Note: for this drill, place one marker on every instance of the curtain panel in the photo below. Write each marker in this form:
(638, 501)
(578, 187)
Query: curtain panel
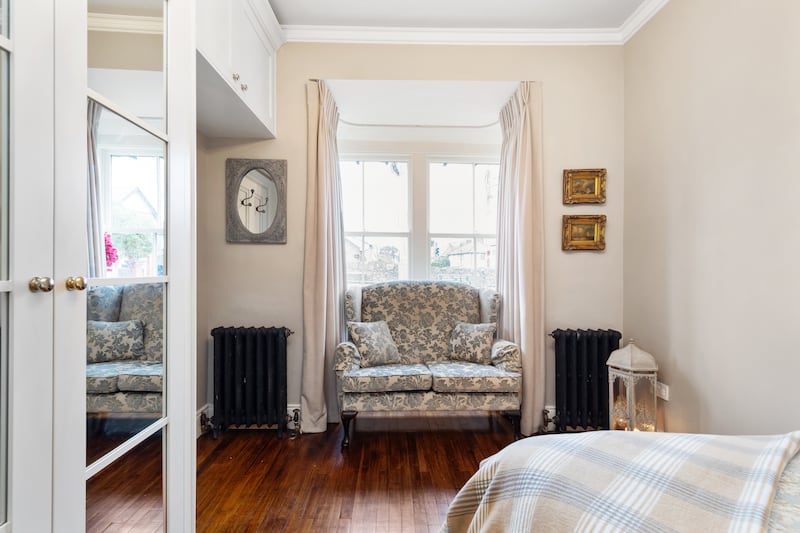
(94, 224)
(324, 268)
(520, 244)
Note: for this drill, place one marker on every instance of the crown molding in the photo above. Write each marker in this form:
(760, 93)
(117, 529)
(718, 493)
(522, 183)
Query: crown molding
(270, 27)
(640, 17)
(456, 36)
(475, 36)
(125, 23)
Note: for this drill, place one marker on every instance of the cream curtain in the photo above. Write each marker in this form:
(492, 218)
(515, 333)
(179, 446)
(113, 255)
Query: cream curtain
(324, 269)
(520, 244)
(94, 225)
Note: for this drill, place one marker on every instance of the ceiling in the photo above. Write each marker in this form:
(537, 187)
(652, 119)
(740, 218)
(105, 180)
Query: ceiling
(520, 14)
(465, 21)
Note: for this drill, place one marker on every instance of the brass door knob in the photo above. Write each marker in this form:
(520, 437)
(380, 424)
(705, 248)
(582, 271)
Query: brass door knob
(78, 283)
(41, 284)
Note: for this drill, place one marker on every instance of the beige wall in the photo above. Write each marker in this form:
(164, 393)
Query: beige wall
(131, 51)
(583, 128)
(712, 152)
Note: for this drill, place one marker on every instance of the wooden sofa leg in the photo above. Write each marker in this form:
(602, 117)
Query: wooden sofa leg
(347, 416)
(514, 416)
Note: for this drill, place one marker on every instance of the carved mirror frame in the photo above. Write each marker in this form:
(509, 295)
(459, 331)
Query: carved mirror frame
(235, 171)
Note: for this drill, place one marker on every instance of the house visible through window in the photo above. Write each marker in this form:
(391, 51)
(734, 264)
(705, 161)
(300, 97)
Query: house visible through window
(448, 233)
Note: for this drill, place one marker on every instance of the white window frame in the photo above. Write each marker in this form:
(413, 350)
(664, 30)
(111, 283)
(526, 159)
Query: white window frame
(419, 235)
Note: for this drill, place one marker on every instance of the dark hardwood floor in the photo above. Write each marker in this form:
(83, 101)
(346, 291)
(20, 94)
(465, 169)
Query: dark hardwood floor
(399, 474)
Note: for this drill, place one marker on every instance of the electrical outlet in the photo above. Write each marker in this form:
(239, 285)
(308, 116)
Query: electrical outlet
(662, 391)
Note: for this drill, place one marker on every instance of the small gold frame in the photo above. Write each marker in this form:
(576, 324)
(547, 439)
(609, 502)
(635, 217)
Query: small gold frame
(585, 186)
(583, 232)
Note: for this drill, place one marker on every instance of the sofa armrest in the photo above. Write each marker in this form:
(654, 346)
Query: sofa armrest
(506, 356)
(346, 357)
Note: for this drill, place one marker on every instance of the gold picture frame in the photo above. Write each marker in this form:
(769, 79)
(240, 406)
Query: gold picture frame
(585, 186)
(583, 232)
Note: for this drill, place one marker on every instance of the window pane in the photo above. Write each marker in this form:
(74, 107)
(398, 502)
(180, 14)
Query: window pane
(465, 260)
(375, 259)
(450, 198)
(486, 181)
(385, 196)
(352, 195)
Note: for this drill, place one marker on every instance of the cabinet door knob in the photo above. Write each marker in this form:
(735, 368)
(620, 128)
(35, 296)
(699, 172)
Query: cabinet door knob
(235, 76)
(41, 284)
(78, 283)
(244, 86)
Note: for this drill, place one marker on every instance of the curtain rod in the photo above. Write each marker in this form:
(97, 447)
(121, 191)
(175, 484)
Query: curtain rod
(433, 126)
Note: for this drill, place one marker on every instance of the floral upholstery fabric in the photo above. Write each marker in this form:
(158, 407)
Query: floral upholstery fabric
(346, 357)
(114, 341)
(460, 376)
(420, 314)
(505, 355)
(124, 402)
(103, 303)
(421, 317)
(374, 342)
(115, 376)
(387, 378)
(130, 385)
(472, 342)
(145, 302)
(429, 401)
(143, 378)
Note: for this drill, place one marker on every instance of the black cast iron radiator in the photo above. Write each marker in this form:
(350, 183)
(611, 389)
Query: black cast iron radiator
(582, 377)
(249, 377)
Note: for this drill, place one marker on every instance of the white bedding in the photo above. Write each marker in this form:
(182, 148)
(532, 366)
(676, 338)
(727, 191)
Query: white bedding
(621, 481)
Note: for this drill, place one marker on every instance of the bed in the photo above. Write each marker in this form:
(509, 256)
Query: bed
(628, 481)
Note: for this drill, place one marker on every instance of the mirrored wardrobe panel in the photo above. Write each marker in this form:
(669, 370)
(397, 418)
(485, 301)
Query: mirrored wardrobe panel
(126, 56)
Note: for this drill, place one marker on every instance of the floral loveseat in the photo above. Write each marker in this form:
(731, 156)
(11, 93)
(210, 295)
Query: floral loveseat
(124, 349)
(425, 346)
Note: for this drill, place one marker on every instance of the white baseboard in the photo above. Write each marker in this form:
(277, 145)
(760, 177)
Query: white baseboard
(208, 410)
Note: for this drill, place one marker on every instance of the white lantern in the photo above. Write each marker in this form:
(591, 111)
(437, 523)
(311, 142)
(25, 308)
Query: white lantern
(632, 378)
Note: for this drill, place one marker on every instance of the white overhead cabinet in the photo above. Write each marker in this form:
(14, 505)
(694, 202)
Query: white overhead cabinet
(236, 45)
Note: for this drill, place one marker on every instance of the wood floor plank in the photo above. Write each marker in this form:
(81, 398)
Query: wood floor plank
(399, 475)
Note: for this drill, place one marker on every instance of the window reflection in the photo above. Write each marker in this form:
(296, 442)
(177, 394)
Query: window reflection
(128, 198)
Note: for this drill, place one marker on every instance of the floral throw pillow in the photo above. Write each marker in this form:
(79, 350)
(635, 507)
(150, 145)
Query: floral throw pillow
(472, 342)
(114, 341)
(374, 342)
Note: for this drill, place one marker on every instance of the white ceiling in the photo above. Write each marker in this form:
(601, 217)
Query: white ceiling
(520, 14)
(522, 22)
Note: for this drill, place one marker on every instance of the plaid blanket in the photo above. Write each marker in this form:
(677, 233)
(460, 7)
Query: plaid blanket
(623, 481)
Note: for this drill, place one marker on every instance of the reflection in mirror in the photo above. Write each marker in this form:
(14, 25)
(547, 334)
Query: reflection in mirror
(127, 205)
(128, 495)
(4, 168)
(257, 206)
(126, 56)
(3, 406)
(124, 363)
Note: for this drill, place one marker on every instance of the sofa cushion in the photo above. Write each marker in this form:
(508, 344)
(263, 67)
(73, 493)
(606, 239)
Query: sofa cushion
(114, 341)
(387, 378)
(103, 303)
(421, 314)
(144, 377)
(374, 342)
(124, 376)
(145, 302)
(125, 402)
(472, 342)
(461, 376)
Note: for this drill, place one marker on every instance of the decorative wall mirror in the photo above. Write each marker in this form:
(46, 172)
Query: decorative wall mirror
(255, 200)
